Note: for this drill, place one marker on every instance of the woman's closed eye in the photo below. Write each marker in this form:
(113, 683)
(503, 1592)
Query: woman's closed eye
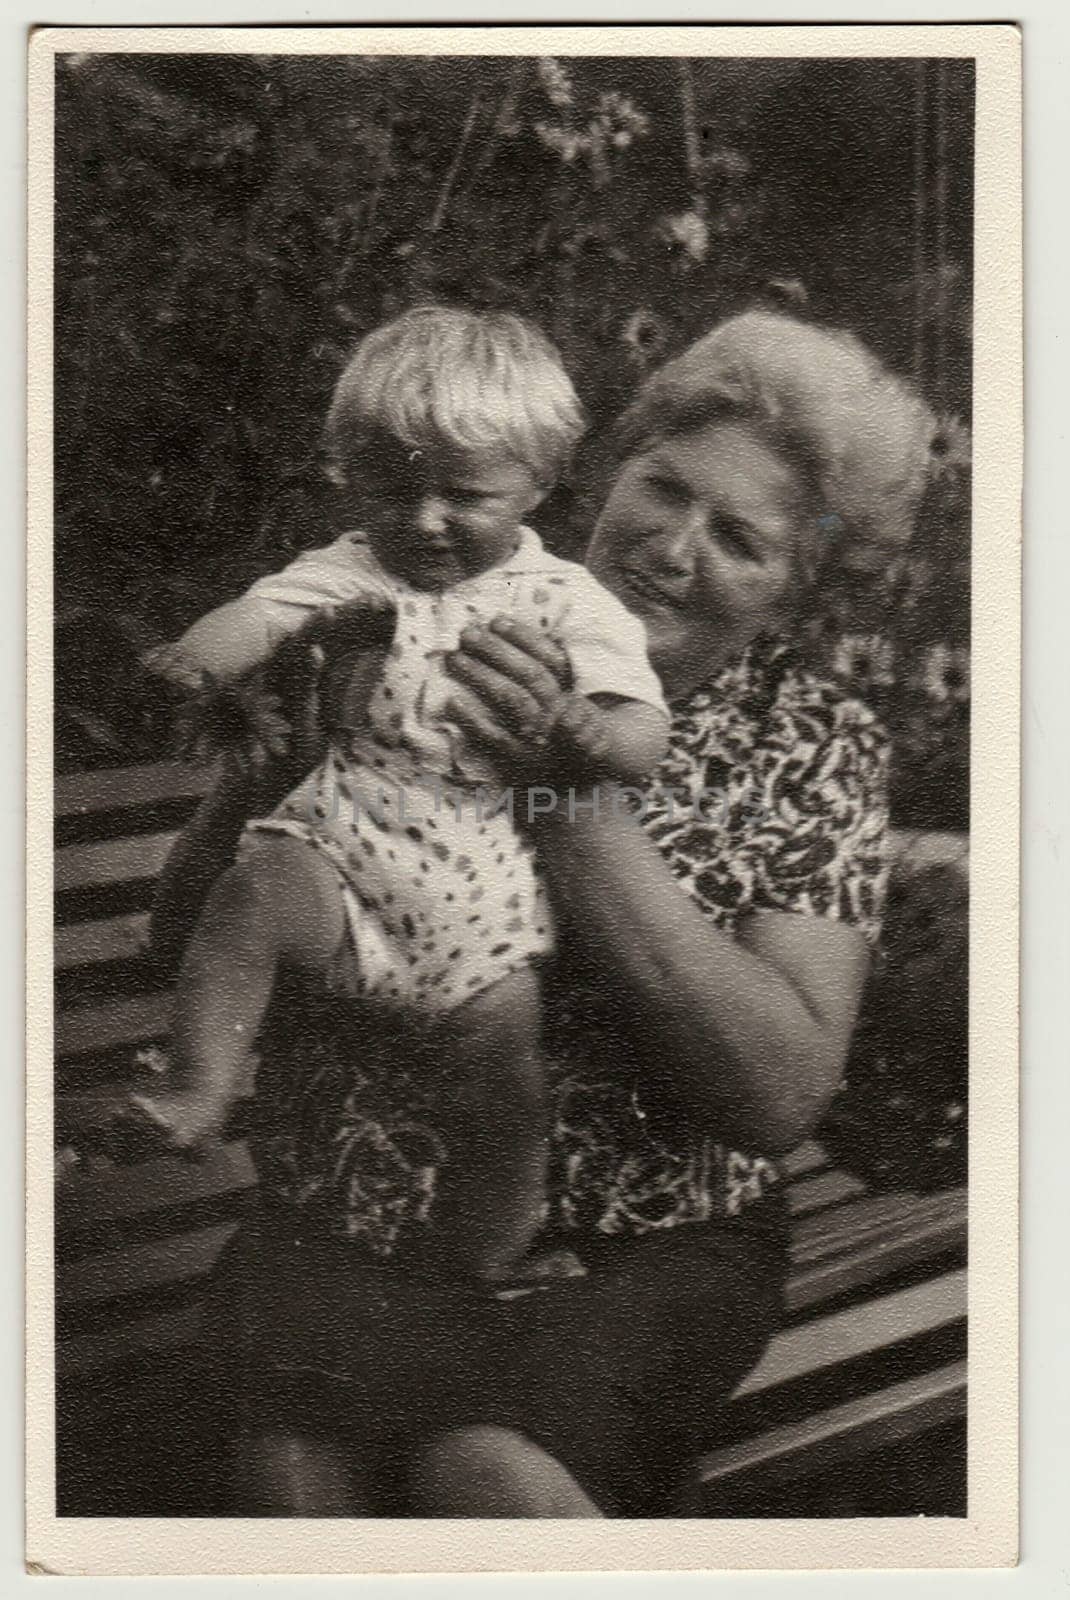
(738, 537)
(667, 488)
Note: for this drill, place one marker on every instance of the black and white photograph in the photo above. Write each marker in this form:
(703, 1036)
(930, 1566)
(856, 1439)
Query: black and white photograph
(511, 566)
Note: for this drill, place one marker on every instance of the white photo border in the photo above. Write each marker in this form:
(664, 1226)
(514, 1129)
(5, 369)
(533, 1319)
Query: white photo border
(987, 1536)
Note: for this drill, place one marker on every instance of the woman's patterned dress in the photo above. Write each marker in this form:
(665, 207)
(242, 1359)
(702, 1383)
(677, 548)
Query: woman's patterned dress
(771, 798)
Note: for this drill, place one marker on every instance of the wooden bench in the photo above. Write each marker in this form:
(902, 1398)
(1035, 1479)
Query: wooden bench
(872, 1355)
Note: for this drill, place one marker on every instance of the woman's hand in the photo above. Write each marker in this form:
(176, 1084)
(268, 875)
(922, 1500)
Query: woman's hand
(513, 686)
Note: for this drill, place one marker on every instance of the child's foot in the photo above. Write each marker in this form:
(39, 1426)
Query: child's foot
(552, 1264)
(183, 1121)
(539, 1266)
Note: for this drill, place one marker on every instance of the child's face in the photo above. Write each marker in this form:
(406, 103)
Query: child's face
(439, 515)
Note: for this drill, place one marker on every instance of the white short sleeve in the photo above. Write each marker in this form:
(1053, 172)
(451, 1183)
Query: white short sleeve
(606, 645)
(338, 574)
(242, 634)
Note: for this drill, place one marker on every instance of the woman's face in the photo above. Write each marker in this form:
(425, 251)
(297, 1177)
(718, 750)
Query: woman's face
(698, 538)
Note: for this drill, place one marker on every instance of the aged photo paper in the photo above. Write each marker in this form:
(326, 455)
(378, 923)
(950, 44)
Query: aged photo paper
(522, 801)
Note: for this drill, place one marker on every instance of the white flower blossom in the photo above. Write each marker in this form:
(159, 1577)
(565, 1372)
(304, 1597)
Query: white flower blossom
(613, 125)
(688, 230)
(562, 141)
(866, 659)
(728, 163)
(622, 118)
(555, 81)
(951, 447)
(645, 334)
(946, 674)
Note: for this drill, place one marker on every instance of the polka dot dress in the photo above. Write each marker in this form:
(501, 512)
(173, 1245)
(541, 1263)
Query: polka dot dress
(442, 893)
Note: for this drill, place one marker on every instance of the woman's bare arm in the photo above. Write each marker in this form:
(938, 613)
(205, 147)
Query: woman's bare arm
(624, 740)
(753, 1027)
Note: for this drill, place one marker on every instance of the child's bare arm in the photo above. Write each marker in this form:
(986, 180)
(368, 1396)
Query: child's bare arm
(323, 586)
(611, 738)
(225, 645)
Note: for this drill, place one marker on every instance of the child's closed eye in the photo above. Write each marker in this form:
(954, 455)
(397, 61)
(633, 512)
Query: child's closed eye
(467, 497)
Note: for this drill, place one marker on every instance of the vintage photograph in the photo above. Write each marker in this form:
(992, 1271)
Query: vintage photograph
(511, 524)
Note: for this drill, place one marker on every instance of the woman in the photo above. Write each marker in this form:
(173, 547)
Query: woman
(717, 935)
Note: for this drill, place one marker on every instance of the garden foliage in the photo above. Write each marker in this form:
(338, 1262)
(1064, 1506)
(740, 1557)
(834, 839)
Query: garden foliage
(228, 227)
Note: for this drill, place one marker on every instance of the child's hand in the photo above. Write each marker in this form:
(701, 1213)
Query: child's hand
(321, 671)
(241, 721)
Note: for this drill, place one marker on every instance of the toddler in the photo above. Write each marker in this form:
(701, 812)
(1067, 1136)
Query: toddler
(389, 869)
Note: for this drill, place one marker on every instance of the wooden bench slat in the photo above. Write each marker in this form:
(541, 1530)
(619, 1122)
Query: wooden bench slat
(827, 1189)
(82, 1355)
(169, 1181)
(81, 944)
(873, 1262)
(820, 1238)
(120, 1022)
(809, 1157)
(858, 1330)
(86, 866)
(871, 1422)
(115, 788)
(923, 848)
(141, 1266)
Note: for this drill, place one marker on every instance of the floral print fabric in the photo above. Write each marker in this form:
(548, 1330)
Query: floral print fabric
(771, 798)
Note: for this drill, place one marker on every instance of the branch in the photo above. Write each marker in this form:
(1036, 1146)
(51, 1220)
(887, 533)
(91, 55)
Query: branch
(455, 166)
(382, 170)
(692, 143)
(503, 120)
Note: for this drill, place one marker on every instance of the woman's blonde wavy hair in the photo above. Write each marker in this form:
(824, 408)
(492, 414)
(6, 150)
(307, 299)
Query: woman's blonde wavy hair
(860, 437)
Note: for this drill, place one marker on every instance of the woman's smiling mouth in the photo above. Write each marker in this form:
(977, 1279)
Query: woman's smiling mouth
(642, 584)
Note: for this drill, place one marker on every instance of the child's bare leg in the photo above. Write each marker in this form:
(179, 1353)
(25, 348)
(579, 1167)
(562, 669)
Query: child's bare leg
(281, 903)
(203, 850)
(489, 1204)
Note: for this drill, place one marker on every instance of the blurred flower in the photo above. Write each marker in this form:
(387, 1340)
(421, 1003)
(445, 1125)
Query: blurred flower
(950, 450)
(615, 122)
(946, 674)
(727, 163)
(621, 118)
(68, 1160)
(688, 232)
(731, 218)
(241, 720)
(865, 659)
(152, 1059)
(555, 81)
(791, 290)
(645, 334)
(562, 141)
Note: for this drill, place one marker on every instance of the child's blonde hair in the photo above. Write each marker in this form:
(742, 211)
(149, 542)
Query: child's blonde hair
(472, 379)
